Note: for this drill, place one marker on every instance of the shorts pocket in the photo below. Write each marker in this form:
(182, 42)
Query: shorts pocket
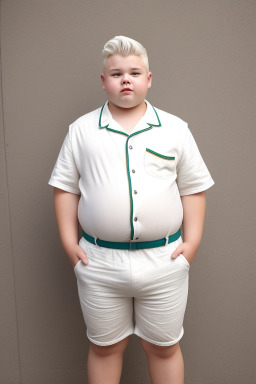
(77, 265)
(184, 260)
(159, 165)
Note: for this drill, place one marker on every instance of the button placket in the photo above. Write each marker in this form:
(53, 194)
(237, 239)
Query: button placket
(133, 175)
(133, 163)
(137, 227)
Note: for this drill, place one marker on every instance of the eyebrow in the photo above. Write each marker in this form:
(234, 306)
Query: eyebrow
(117, 69)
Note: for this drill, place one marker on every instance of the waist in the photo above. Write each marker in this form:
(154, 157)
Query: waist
(133, 245)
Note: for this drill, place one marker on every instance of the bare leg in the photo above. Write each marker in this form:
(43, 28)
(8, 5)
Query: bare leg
(105, 363)
(165, 364)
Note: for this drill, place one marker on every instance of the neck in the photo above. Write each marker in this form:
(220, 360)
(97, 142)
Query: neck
(132, 113)
(127, 117)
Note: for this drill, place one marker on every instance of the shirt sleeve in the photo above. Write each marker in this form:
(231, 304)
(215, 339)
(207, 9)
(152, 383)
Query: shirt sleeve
(192, 173)
(65, 174)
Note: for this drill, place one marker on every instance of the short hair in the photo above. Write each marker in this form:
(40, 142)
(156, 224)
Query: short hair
(124, 46)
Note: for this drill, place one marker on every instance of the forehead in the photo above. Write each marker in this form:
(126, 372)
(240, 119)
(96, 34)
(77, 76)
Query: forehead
(124, 62)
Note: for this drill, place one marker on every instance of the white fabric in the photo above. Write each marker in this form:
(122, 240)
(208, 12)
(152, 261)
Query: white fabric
(124, 292)
(94, 162)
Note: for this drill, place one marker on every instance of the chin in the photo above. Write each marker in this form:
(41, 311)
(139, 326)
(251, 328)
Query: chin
(125, 105)
(131, 104)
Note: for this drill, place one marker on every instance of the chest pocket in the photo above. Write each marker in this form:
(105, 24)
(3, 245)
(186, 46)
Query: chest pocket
(159, 165)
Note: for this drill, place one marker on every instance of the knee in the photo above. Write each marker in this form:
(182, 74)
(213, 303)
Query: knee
(163, 352)
(117, 348)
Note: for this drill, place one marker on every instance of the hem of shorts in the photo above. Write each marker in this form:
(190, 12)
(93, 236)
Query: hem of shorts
(162, 344)
(110, 342)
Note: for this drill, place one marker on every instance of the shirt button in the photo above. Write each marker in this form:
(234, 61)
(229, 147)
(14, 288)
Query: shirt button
(135, 218)
(135, 192)
(130, 146)
(133, 171)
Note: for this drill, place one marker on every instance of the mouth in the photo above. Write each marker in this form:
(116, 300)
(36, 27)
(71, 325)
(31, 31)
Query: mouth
(126, 90)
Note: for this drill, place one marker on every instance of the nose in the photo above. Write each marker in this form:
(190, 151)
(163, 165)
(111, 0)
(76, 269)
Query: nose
(126, 79)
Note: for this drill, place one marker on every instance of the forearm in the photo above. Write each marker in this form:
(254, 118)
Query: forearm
(194, 207)
(193, 222)
(66, 205)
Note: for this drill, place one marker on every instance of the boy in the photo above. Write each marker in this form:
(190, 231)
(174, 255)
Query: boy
(131, 174)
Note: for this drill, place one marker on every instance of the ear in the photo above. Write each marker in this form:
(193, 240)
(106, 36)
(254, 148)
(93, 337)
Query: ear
(149, 79)
(103, 81)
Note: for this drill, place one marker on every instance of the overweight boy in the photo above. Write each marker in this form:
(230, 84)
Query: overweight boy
(131, 175)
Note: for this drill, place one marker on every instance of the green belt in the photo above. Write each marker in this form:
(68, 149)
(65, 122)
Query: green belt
(132, 245)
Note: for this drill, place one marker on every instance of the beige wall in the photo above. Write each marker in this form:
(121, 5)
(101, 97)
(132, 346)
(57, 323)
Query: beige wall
(202, 57)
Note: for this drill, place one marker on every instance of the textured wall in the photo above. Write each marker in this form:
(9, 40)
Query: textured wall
(202, 57)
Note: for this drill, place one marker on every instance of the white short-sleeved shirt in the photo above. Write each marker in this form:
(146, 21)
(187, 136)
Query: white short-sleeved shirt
(130, 184)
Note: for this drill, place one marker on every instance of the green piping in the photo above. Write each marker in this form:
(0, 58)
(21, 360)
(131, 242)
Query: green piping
(130, 188)
(159, 155)
(149, 124)
(129, 178)
(159, 122)
(107, 126)
(101, 111)
(113, 130)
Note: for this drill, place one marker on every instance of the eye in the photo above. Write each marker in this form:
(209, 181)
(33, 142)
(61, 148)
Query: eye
(116, 74)
(135, 73)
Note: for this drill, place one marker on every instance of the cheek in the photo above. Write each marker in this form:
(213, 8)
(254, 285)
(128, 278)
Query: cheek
(110, 87)
(143, 87)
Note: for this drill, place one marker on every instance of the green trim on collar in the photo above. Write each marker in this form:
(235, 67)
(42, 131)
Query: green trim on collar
(114, 130)
(149, 124)
(159, 122)
(106, 126)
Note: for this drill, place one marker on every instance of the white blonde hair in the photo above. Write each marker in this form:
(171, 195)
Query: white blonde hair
(124, 46)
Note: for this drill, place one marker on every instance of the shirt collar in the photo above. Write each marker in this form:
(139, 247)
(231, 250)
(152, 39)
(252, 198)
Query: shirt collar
(149, 119)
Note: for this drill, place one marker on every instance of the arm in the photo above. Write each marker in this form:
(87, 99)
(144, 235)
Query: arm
(193, 222)
(66, 205)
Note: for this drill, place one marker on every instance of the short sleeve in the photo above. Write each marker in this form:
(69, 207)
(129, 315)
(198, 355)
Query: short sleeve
(192, 173)
(65, 175)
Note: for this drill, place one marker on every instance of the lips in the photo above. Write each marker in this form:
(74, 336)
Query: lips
(126, 89)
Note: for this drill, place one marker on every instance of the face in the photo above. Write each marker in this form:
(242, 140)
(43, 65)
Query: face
(126, 80)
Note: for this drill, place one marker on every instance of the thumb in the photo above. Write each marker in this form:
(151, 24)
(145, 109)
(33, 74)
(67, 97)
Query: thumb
(177, 251)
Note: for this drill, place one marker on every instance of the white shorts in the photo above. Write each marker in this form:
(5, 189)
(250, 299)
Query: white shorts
(123, 292)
